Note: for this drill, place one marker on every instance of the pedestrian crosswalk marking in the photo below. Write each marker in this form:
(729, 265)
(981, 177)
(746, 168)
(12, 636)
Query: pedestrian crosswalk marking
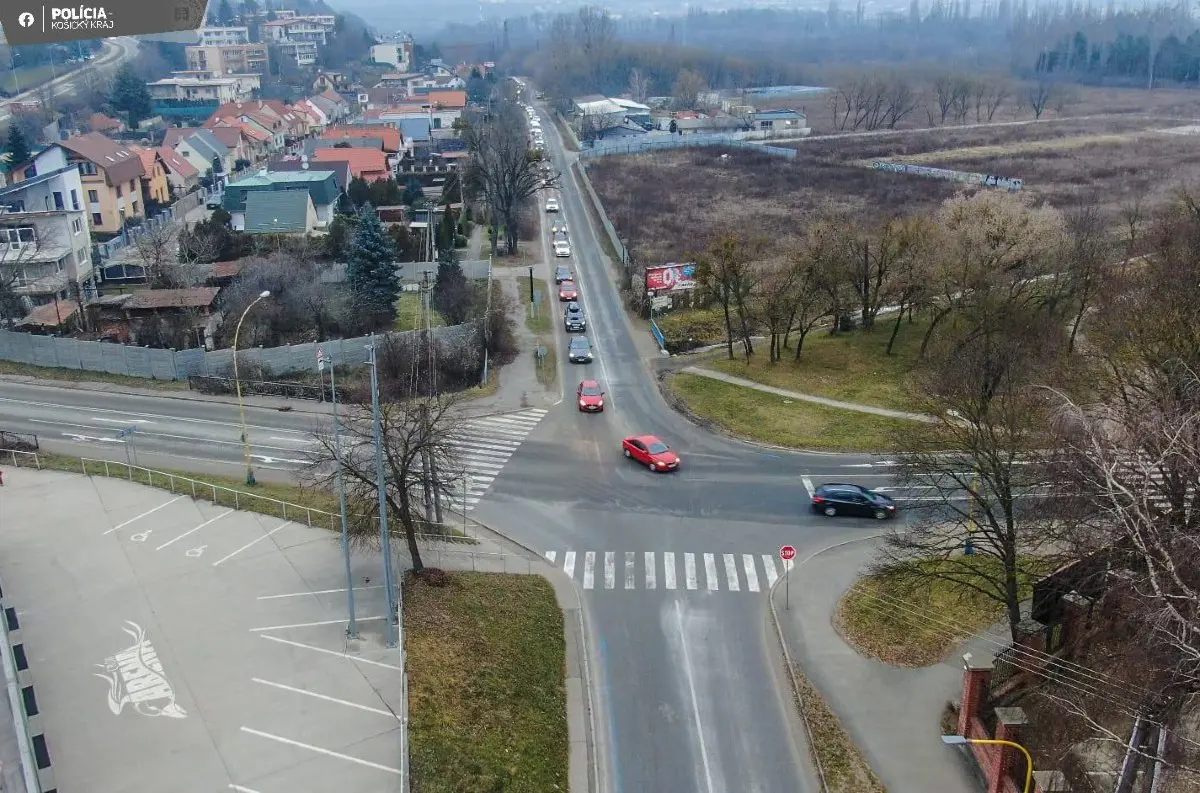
(740, 571)
(482, 447)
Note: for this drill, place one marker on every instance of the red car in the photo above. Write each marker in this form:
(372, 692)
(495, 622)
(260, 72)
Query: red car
(651, 452)
(591, 397)
(567, 291)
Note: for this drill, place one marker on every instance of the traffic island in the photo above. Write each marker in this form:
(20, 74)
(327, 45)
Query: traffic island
(486, 656)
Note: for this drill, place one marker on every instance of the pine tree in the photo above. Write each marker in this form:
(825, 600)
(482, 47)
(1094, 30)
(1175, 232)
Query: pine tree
(413, 191)
(131, 96)
(452, 295)
(445, 235)
(371, 271)
(17, 147)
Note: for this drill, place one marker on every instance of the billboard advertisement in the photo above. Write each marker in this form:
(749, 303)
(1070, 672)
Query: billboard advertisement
(671, 277)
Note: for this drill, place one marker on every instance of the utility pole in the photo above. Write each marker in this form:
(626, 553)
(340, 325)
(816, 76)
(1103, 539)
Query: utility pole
(322, 361)
(487, 321)
(433, 498)
(394, 627)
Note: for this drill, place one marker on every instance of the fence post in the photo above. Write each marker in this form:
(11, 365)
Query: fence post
(125, 359)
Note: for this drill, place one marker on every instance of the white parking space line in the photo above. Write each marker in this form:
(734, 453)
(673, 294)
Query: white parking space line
(808, 485)
(240, 789)
(610, 570)
(569, 564)
(731, 573)
(710, 572)
(689, 570)
(144, 514)
(193, 531)
(769, 567)
(251, 544)
(320, 750)
(751, 572)
(589, 569)
(315, 592)
(310, 624)
(651, 583)
(669, 569)
(353, 658)
(550, 556)
(630, 569)
(326, 698)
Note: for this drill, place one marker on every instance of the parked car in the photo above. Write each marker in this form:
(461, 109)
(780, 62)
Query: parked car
(551, 204)
(562, 248)
(836, 498)
(573, 319)
(562, 273)
(591, 397)
(651, 452)
(567, 291)
(580, 350)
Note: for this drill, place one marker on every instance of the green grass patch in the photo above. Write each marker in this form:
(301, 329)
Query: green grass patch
(883, 616)
(487, 700)
(84, 376)
(408, 313)
(771, 419)
(687, 328)
(843, 764)
(28, 77)
(546, 368)
(542, 319)
(852, 367)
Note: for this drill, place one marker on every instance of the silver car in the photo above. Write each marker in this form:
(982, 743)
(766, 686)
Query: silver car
(580, 350)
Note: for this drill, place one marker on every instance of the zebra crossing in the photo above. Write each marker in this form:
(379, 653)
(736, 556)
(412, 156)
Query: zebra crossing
(697, 572)
(482, 447)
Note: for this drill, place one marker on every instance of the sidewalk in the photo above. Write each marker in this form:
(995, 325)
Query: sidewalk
(892, 714)
(833, 403)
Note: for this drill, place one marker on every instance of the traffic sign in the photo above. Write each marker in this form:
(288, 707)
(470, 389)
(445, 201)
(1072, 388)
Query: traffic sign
(787, 553)
(322, 359)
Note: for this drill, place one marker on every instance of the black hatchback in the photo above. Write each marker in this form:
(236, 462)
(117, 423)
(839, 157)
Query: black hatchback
(839, 499)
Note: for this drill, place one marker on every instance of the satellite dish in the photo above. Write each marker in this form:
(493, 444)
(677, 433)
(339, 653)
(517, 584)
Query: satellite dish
(303, 158)
(304, 166)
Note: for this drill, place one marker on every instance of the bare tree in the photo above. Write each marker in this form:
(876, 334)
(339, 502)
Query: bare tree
(944, 91)
(910, 271)
(811, 302)
(417, 438)
(688, 86)
(1039, 95)
(776, 296)
(1087, 260)
(726, 270)
(900, 100)
(999, 92)
(639, 85)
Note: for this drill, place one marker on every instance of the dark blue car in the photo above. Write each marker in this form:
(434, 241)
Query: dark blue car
(841, 499)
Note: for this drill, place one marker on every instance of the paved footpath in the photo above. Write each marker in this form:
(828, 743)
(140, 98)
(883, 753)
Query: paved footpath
(892, 714)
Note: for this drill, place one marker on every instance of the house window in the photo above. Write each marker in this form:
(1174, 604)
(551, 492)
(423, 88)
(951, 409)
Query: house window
(61, 264)
(135, 207)
(132, 187)
(119, 191)
(97, 220)
(31, 172)
(76, 226)
(75, 199)
(93, 197)
(87, 168)
(58, 200)
(20, 236)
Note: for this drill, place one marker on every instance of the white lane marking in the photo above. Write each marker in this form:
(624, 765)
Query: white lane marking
(651, 583)
(691, 681)
(569, 564)
(251, 544)
(193, 531)
(240, 789)
(669, 569)
(144, 514)
(310, 624)
(589, 569)
(302, 441)
(629, 569)
(751, 572)
(731, 573)
(319, 750)
(268, 459)
(689, 570)
(710, 572)
(78, 437)
(123, 421)
(610, 570)
(153, 434)
(326, 698)
(550, 556)
(353, 658)
(315, 592)
(808, 485)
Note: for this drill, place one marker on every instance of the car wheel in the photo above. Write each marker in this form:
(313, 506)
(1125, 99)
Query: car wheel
(830, 511)
(881, 514)
(627, 454)
(652, 468)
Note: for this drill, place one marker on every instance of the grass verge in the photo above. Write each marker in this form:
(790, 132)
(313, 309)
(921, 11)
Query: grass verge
(869, 618)
(487, 701)
(845, 768)
(27, 77)
(852, 367)
(568, 136)
(84, 376)
(547, 367)
(543, 320)
(408, 313)
(771, 419)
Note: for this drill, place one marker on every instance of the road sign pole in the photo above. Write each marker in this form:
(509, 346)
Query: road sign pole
(787, 591)
(787, 553)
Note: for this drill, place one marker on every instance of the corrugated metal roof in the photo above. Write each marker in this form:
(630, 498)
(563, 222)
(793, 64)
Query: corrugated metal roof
(277, 212)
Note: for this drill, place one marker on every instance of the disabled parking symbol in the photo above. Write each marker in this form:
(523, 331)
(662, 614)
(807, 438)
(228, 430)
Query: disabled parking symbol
(141, 536)
(196, 553)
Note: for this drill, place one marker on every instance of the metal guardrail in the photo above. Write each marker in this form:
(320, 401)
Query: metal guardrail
(19, 441)
(663, 142)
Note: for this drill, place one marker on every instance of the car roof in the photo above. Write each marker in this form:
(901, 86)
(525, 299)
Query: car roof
(646, 439)
(590, 384)
(843, 486)
(566, 284)
(579, 338)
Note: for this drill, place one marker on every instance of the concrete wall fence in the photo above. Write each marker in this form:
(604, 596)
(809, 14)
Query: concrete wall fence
(617, 146)
(154, 364)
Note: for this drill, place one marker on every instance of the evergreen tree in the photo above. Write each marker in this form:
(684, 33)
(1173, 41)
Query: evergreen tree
(413, 191)
(371, 270)
(131, 96)
(445, 234)
(17, 147)
(451, 291)
(359, 191)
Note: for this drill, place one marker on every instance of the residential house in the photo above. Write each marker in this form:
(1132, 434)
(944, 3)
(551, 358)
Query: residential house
(135, 318)
(318, 116)
(778, 120)
(111, 174)
(596, 113)
(708, 126)
(306, 28)
(98, 122)
(339, 106)
(45, 248)
(441, 82)
(311, 145)
(181, 174)
(155, 186)
(339, 168)
(319, 185)
(302, 53)
(383, 95)
(244, 141)
(213, 89)
(295, 125)
(202, 149)
(229, 58)
(258, 115)
(223, 36)
(370, 164)
(416, 135)
(387, 135)
(330, 81)
(636, 112)
(398, 54)
(287, 212)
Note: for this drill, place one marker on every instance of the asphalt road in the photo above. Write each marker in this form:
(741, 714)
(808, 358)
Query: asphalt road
(688, 674)
(117, 50)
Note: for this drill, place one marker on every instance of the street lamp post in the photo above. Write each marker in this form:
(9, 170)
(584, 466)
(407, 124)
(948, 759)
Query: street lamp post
(959, 740)
(322, 361)
(238, 383)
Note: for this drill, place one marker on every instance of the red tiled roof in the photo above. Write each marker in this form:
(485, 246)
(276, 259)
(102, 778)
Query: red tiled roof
(51, 315)
(147, 157)
(102, 123)
(333, 96)
(363, 162)
(117, 161)
(227, 269)
(176, 162)
(389, 135)
(451, 99)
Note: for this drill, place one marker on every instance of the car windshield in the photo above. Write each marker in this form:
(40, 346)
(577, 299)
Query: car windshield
(591, 390)
(580, 342)
(658, 448)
